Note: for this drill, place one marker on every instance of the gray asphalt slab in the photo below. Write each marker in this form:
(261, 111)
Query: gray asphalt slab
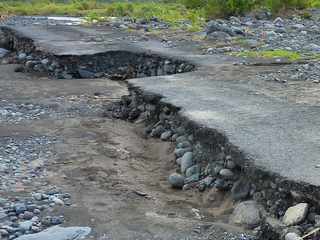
(275, 125)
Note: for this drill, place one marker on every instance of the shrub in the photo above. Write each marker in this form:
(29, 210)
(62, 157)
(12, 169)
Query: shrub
(224, 8)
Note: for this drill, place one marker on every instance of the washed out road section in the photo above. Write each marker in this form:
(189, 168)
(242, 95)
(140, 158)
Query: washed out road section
(272, 128)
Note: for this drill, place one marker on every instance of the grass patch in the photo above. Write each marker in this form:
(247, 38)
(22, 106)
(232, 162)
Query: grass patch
(290, 55)
(172, 13)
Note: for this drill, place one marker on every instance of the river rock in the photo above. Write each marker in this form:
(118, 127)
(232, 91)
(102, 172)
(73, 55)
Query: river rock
(176, 180)
(247, 214)
(179, 152)
(3, 52)
(59, 233)
(292, 236)
(240, 190)
(181, 139)
(295, 214)
(192, 170)
(219, 36)
(166, 135)
(20, 208)
(214, 26)
(193, 178)
(86, 74)
(186, 161)
(226, 173)
(26, 225)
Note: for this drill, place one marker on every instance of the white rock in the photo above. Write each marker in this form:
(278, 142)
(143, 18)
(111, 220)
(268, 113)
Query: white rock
(292, 236)
(58, 233)
(57, 201)
(295, 214)
(247, 214)
(186, 161)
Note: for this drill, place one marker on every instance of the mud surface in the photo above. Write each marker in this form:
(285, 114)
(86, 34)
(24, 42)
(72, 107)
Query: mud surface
(117, 179)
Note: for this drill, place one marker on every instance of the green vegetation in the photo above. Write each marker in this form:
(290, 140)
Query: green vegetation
(172, 11)
(223, 8)
(290, 55)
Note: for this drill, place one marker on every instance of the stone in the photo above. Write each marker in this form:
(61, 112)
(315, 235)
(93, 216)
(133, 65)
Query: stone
(3, 52)
(292, 236)
(86, 74)
(220, 184)
(22, 56)
(166, 135)
(218, 36)
(184, 144)
(3, 233)
(192, 170)
(247, 214)
(298, 26)
(3, 215)
(20, 208)
(278, 22)
(179, 152)
(313, 47)
(59, 233)
(295, 214)
(174, 137)
(193, 178)
(230, 164)
(226, 173)
(186, 161)
(56, 200)
(181, 139)
(27, 215)
(240, 190)
(26, 225)
(317, 220)
(207, 181)
(37, 196)
(214, 26)
(176, 180)
(178, 161)
(57, 220)
(157, 131)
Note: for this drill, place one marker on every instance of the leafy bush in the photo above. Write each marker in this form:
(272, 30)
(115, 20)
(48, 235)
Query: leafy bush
(279, 5)
(224, 8)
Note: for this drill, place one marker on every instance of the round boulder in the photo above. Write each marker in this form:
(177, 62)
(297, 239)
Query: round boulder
(176, 180)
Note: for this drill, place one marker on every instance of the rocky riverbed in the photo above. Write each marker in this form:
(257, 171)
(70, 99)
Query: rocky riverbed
(110, 173)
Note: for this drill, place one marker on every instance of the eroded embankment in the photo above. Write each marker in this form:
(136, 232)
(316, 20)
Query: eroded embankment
(205, 157)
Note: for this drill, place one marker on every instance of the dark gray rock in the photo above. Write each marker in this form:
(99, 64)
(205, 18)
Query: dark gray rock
(156, 132)
(240, 190)
(176, 180)
(20, 208)
(85, 73)
(214, 26)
